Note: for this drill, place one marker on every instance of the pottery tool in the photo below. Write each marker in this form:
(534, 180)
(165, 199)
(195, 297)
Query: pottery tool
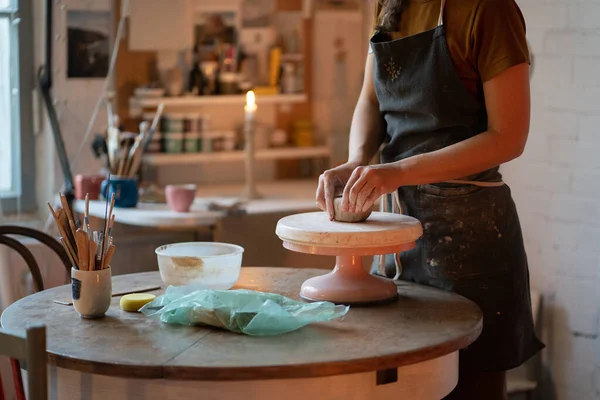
(70, 218)
(349, 283)
(67, 244)
(69, 253)
(109, 254)
(87, 250)
(141, 289)
(92, 255)
(86, 215)
(82, 249)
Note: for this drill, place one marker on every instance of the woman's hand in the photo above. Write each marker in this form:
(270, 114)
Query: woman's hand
(367, 184)
(331, 184)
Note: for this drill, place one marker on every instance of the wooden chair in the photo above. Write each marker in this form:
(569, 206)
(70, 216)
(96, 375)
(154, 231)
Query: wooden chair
(524, 380)
(6, 233)
(31, 349)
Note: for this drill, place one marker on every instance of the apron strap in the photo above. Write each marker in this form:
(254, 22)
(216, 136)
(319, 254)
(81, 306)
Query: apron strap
(441, 19)
(477, 183)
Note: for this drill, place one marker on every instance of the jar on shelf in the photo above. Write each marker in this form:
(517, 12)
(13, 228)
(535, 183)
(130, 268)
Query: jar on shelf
(289, 79)
(303, 133)
(279, 138)
(155, 144)
(173, 123)
(192, 142)
(229, 83)
(174, 143)
(205, 123)
(191, 122)
(229, 141)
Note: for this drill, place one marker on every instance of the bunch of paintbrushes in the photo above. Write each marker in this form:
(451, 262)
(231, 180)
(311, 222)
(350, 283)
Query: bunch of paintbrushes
(125, 156)
(88, 250)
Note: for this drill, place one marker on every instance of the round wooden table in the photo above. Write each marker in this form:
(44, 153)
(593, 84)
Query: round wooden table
(405, 348)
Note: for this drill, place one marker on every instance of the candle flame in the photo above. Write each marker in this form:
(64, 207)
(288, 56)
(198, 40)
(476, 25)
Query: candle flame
(250, 99)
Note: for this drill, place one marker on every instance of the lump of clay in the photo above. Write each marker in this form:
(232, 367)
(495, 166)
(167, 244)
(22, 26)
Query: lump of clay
(343, 216)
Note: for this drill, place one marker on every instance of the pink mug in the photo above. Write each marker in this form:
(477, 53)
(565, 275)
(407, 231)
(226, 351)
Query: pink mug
(180, 197)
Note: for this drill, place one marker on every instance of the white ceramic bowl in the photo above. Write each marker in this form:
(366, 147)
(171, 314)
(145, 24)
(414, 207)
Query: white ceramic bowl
(214, 265)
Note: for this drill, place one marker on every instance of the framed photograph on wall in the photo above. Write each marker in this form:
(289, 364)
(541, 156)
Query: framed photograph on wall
(88, 43)
(257, 13)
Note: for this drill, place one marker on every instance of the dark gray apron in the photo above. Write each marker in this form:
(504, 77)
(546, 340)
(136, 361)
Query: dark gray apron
(472, 242)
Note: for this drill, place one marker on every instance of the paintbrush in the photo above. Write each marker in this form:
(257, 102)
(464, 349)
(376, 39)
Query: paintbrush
(86, 214)
(122, 160)
(112, 144)
(137, 150)
(108, 218)
(110, 229)
(154, 125)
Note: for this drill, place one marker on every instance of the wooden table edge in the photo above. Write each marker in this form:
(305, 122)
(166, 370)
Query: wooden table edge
(295, 371)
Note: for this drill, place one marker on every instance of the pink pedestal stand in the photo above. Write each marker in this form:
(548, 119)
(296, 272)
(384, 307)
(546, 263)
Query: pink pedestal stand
(349, 282)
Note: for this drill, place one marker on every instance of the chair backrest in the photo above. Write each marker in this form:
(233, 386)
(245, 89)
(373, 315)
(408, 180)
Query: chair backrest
(31, 349)
(5, 238)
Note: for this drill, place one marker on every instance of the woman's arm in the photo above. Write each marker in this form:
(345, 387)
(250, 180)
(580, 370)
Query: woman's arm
(365, 132)
(366, 136)
(508, 106)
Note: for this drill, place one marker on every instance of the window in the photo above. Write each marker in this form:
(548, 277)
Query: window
(17, 82)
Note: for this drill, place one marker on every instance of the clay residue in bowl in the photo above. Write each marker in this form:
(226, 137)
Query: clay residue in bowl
(188, 262)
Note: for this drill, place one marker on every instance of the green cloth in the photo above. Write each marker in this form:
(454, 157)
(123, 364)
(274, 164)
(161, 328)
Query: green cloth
(241, 311)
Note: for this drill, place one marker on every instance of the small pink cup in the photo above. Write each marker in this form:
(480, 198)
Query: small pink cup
(180, 197)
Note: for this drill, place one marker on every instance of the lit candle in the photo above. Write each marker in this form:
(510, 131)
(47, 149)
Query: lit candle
(250, 107)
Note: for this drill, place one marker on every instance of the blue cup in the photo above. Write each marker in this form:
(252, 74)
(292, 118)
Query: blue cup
(124, 188)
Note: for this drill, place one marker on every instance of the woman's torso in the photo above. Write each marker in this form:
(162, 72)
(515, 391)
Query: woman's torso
(484, 37)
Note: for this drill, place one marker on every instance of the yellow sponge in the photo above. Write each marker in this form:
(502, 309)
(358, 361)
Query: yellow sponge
(135, 301)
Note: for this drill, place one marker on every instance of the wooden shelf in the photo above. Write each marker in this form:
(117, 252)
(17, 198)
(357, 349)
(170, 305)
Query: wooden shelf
(187, 101)
(227, 156)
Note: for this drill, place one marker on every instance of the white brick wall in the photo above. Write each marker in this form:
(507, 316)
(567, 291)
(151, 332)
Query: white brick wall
(556, 185)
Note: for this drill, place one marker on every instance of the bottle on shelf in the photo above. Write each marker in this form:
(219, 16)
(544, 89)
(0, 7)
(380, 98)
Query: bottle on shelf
(196, 80)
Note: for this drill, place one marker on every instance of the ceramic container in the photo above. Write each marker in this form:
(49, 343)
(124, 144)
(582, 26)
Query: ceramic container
(211, 264)
(91, 291)
(194, 120)
(155, 145)
(125, 189)
(180, 197)
(192, 143)
(173, 123)
(174, 143)
(88, 184)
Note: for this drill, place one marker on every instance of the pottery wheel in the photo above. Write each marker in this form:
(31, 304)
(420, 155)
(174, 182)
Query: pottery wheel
(349, 282)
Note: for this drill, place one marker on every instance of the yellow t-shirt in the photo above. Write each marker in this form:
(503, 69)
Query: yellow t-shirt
(485, 37)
